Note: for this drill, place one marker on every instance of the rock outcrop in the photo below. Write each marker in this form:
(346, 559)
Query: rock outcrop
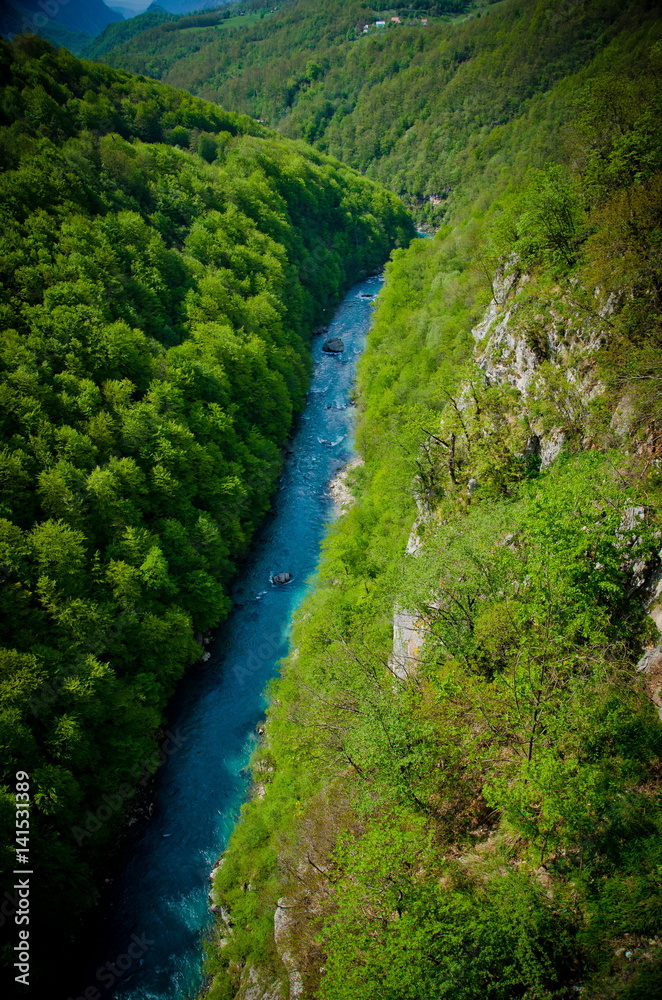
(256, 986)
(334, 345)
(341, 494)
(282, 934)
(519, 334)
(408, 638)
(650, 667)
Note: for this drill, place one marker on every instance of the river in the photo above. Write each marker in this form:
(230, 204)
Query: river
(159, 906)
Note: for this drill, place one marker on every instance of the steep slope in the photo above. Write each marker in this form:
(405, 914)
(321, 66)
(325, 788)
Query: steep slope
(13, 22)
(123, 31)
(163, 263)
(459, 781)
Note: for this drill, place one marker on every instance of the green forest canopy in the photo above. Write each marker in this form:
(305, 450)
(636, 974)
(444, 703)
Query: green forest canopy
(162, 265)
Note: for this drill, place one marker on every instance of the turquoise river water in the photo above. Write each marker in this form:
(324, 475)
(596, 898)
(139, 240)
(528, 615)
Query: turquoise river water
(159, 908)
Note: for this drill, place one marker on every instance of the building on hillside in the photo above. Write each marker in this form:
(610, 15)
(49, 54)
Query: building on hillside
(424, 20)
(396, 20)
(380, 24)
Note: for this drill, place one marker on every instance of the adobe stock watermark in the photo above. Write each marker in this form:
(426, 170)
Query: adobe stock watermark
(109, 974)
(271, 646)
(48, 11)
(96, 644)
(114, 803)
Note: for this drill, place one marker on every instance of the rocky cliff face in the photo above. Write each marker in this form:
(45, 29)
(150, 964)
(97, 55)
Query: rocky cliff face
(524, 326)
(542, 343)
(544, 346)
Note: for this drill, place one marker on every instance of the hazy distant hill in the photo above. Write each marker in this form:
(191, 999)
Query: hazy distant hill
(186, 6)
(72, 24)
(88, 16)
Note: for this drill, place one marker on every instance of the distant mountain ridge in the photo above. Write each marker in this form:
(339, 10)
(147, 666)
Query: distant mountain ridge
(71, 24)
(88, 16)
(75, 23)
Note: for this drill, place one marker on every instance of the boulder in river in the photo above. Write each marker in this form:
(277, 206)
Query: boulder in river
(319, 330)
(281, 578)
(333, 345)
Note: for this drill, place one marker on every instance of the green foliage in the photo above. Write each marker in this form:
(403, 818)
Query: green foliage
(440, 940)
(121, 32)
(156, 305)
(542, 226)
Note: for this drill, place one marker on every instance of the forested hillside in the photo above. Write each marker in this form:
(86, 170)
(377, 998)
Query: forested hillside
(458, 792)
(122, 31)
(162, 264)
(420, 107)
